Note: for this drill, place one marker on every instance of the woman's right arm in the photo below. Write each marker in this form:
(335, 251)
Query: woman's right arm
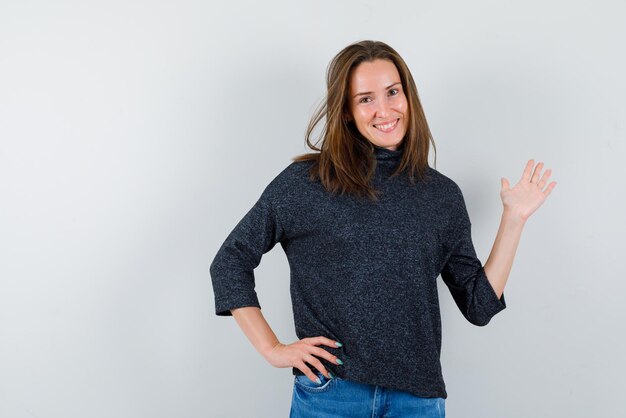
(232, 273)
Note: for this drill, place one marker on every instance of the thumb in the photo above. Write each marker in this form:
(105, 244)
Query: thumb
(505, 183)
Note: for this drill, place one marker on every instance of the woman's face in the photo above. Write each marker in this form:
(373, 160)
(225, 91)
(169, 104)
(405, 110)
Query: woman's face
(378, 105)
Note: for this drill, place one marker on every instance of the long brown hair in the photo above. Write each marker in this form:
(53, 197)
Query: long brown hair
(345, 162)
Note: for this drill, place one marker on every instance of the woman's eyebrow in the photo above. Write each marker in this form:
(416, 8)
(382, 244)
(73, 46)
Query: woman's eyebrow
(370, 92)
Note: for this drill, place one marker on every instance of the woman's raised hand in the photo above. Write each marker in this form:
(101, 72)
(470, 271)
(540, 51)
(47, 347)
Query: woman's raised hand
(301, 351)
(530, 191)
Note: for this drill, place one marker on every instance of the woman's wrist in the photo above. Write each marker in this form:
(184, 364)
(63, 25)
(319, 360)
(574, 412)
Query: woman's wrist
(269, 348)
(513, 217)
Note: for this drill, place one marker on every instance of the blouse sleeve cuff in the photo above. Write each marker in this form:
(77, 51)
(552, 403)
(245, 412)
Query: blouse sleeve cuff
(490, 303)
(239, 300)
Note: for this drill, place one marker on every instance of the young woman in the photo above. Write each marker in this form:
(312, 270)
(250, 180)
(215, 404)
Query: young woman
(368, 226)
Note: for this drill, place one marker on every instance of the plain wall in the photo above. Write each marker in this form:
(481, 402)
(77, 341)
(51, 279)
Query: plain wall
(135, 135)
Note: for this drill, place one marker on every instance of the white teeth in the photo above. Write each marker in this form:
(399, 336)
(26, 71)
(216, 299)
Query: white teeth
(387, 126)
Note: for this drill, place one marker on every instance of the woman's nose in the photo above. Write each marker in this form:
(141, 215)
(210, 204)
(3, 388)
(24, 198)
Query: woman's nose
(383, 109)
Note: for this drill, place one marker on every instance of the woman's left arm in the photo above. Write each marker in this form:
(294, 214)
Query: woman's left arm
(519, 202)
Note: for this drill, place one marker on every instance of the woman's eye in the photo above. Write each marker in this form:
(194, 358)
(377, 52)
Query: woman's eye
(397, 91)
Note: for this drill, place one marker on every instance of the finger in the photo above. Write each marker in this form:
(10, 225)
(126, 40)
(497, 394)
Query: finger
(505, 183)
(320, 352)
(528, 170)
(535, 177)
(307, 372)
(315, 362)
(325, 341)
(544, 178)
(549, 189)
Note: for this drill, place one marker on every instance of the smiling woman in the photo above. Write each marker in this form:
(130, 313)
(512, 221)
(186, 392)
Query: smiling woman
(371, 101)
(368, 227)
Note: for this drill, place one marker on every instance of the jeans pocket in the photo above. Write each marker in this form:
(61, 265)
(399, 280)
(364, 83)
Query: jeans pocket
(304, 383)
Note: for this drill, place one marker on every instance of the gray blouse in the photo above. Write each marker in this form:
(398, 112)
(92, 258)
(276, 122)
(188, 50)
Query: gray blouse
(364, 273)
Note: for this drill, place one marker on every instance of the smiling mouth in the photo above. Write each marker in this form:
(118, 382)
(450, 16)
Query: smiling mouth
(388, 127)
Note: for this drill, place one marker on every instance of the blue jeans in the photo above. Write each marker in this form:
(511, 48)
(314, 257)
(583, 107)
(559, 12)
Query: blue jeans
(340, 398)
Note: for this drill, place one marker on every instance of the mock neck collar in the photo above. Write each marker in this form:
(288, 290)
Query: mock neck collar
(384, 154)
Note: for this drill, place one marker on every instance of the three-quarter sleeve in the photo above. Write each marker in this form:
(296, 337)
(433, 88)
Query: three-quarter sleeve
(465, 276)
(232, 269)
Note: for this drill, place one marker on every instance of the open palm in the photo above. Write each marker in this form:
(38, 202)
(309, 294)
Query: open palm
(530, 191)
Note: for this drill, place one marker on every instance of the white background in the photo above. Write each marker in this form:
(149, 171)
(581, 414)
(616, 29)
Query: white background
(135, 135)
